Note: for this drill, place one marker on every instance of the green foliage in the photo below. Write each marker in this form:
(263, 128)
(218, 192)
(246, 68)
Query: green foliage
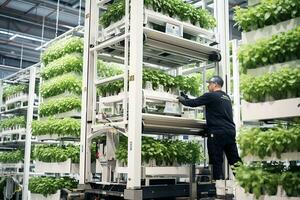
(261, 143)
(278, 84)
(280, 48)
(268, 12)
(11, 157)
(156, 77)
(264, 178)
(12, 121)
(257, 181)
(65, 64)
(61, 127)
(290, 182)
(58, 85)
(164, 151)
(49, 185)
(61, 48)
(51, 153)
(184, 11)
(61, 105)
(105, 69)
(14, 89)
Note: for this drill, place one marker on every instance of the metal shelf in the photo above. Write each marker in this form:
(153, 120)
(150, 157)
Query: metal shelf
(162, 124)
(162, 49)
(271, 110)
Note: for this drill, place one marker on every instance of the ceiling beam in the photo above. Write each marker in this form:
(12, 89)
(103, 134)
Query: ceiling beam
(5, 4)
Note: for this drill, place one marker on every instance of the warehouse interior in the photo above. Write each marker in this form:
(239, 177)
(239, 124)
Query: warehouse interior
(106, 99)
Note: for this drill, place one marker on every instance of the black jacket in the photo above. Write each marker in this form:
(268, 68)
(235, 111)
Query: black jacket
(218, 110)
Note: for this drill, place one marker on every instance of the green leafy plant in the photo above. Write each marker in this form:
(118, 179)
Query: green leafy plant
(58, 85)
(14, 89)
(51, 153)
(12, 121)
(105, 69)
(164, 151)
(290, 182)
(61, 48)
(279, 48)
(61, 105)
(278, 84)
(184, 11)
(61, 127)
(263, 178)
(11, 157)
(263, 143)
(257, 181)
(49, 185)
(266, 13)
(65, 64)
(156, 77)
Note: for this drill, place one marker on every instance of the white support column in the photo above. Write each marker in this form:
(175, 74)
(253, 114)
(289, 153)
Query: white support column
(236, 86)
(135, 94)
(222, 15)
(90, 33)
(28, 133)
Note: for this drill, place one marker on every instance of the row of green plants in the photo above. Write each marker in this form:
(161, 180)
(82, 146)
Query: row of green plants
(281, 84)
(156, 77)
(61, 105)
(62, 47)
(65, 83)
(264, 179)
(173, 8)
(65, 64)
(279, 48)
(262, 143)
(164, 152)
(61, 127)
(53, 153)
(50, 185)
(266, 13)
(12, 156)
(12, 121)
(14, 89)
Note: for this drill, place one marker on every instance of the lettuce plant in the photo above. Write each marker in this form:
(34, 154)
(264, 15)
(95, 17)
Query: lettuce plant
(58, 85)
(61, 105)
(61, 48)
(61, 127)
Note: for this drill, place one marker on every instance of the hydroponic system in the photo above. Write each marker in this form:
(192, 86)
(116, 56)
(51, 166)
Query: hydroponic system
(99, 118)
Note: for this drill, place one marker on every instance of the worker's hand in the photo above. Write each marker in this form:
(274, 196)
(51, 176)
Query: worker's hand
(180, 99)
(184, 95)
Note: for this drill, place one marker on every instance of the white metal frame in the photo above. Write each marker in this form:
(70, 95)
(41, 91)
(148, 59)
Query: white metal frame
(29, 75)
(133, 74)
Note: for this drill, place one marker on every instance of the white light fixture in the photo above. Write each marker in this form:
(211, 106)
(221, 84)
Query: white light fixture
(6, 33)
(13, 37)
(38, 48)
(30, 38)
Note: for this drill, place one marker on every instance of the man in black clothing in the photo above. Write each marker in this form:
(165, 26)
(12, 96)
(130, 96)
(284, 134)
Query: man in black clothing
(221, 127)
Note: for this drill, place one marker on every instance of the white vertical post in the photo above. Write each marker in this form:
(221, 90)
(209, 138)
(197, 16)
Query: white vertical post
(28, 133)
(57, 17)
(222, 15)
(90, 33)
(236, 86)
(135, 94)
(223, 34)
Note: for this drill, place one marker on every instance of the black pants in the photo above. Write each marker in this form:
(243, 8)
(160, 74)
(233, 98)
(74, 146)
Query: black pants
(218, 143)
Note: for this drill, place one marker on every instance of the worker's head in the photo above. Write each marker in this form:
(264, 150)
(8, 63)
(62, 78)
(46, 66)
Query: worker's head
(215, 83)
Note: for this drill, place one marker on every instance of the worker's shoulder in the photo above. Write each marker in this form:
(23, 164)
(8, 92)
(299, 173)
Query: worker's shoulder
(218, 95)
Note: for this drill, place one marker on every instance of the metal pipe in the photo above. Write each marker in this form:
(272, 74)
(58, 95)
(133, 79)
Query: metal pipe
(28, 133)
(57, 16)
(21, 60)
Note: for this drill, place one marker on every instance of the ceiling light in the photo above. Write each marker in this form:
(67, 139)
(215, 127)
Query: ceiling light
(13, 37)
